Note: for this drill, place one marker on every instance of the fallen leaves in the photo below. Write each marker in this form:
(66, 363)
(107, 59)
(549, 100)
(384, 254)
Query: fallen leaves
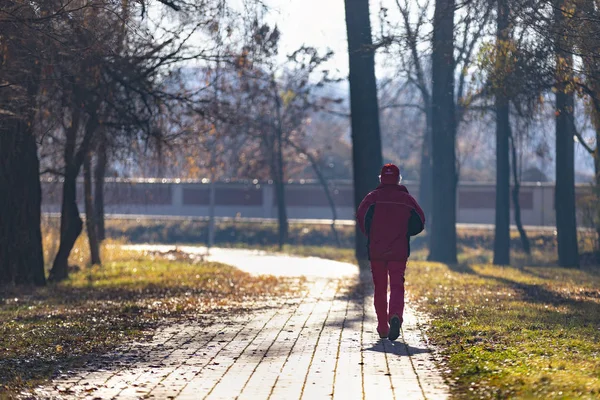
(56, 328)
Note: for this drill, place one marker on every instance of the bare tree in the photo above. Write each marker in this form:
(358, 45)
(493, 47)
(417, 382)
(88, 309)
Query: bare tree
(27, 39)
(443, 226)
(566, 223)
(366, 140)
(503, 134)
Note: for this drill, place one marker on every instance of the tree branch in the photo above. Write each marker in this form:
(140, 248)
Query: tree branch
(582, 141)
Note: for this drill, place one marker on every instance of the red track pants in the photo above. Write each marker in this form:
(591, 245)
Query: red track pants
(380, 271)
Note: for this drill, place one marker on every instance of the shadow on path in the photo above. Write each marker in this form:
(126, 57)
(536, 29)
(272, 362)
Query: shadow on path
(397, 348)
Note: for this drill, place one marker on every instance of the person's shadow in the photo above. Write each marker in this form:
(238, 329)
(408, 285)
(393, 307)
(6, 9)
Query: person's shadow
(398, 348)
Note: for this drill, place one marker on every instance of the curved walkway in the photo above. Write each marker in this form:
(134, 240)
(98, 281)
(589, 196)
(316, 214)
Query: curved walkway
(322, 345)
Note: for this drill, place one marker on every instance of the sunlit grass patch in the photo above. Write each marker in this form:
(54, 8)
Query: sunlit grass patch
(507, 332)
(50, 329)
(332, 253)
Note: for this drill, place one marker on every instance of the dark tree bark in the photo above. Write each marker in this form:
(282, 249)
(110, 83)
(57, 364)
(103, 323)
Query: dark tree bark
(90, 222)
(443, 226)
(515, 196)
(21, 255)
(70, 226)
(597, 183)
(281, 207)
(566, 222)
(70, 221)
(278, 172)
(502, 217)
(589, 47)
(99, 174)
(366, 139)
(426, 172)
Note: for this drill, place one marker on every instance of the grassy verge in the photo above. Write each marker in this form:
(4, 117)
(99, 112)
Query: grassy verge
(530, 332)
(58, 327)
(507, 332)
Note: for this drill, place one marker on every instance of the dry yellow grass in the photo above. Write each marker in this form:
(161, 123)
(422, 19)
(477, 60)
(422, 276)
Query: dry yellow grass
(63, 325)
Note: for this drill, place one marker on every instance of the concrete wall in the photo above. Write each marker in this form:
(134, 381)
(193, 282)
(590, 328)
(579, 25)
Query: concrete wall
(475, 201)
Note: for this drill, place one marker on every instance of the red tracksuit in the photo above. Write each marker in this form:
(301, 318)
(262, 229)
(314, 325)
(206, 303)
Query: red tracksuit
(388, 216)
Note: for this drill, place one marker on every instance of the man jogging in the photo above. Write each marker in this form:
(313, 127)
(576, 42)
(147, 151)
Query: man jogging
(389, 216)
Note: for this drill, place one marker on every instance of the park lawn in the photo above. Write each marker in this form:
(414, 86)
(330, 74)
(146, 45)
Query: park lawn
(61, 326)
(504, 332)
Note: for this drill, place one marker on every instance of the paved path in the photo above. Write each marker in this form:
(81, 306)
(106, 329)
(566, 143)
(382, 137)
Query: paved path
(322, 345)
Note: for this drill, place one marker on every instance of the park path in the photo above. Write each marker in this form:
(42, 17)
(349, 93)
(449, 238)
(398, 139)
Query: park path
(321, 345)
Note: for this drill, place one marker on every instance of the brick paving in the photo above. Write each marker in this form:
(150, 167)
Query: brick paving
(322, 345)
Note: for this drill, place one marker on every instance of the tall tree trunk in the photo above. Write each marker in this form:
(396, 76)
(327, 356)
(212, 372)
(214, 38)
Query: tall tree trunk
(211, 210)
(564, 195)
(566, 223)
(70, 226)
(282, 225)
(366, 139)
(70, 221)
(443, 227)
(502, 217)
(99, 175)
(597, 187)
(90, 221)
(589, 47)
(515, 196)
(426, 173)
(280, 194)
(21, 256)
(279, 172)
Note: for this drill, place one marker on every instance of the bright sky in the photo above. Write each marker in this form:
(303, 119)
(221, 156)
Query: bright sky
(318, 23)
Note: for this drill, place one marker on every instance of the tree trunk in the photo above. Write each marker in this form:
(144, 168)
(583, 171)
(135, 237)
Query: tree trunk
(566, 223)
(426, 173)
(279, 172)
(21, 255)
(90, 221)
(564, 195)
(280, 194)
(70, 221)
(502, 226)
(516, 199)
(323, 182)
(443, 227)
(366, 139)
(597, 188)
(211, 212)
(70, 226)
(99, 175)
(502, 217)
(589, 48)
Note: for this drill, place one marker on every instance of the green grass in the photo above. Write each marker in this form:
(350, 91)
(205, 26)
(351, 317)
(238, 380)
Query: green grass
(58, 327)
(507, 332)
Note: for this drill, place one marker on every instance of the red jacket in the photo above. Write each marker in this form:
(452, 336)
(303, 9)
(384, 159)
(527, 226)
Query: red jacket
(389, 216)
